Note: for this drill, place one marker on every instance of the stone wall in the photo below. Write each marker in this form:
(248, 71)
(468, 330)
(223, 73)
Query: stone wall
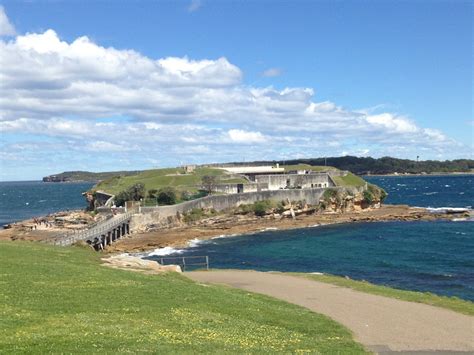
(151, 215)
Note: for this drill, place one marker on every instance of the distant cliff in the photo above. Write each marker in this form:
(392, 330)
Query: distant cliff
(72, 176)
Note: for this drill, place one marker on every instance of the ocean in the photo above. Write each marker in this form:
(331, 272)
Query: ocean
(435, 257)
(21, 200)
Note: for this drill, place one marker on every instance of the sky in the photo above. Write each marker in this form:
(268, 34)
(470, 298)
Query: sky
(125, 85)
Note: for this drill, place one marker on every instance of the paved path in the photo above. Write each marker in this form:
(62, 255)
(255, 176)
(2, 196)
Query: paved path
(382, 324)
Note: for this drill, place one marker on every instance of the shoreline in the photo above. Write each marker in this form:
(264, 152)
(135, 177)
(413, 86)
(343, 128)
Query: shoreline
(225, 225)
(231, 226)
(459, 173)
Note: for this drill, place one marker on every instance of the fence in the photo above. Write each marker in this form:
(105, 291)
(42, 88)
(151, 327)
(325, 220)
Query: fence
(186, 261)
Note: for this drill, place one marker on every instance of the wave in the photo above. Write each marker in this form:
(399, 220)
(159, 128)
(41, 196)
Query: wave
(430, 193)
(225, 236)
(269, 229)
(194, 242)
(165, 251)
(448, 209)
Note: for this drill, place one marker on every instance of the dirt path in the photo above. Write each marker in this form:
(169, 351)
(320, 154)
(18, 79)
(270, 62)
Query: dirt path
(382, 324)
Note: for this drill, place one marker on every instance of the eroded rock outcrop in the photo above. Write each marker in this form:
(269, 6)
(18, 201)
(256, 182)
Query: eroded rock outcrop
(135, 263)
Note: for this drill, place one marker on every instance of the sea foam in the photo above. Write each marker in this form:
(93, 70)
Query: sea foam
(165, 251)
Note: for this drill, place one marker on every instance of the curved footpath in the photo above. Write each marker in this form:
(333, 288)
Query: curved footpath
(383, 325)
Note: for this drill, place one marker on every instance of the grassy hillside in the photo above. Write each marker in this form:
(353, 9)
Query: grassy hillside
(317, 168)
(349, 180)
(158, 178)
(61, 300)
(175, 177)
(85, 176)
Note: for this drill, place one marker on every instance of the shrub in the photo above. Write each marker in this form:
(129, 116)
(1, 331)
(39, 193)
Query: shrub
(152, 193)
(328, 194)
(368, 197)
(133, 193)
(260, 208)
(280, 207)
(246, 208)
(194, 215)
(198, 213)
(166, 196)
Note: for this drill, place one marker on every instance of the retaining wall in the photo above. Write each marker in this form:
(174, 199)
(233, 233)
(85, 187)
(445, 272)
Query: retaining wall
(150, 215)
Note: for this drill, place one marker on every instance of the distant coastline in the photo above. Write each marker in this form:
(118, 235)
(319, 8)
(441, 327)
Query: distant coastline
(425, 174)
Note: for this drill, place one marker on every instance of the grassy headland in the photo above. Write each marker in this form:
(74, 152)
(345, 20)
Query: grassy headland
(176, 178)
(171, 177)
(61, 300)
(452, 303)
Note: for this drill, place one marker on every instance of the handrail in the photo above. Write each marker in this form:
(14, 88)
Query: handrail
(182, 261)
(94, 230)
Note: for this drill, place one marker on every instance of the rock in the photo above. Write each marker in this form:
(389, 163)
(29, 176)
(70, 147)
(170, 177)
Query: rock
(134, 263)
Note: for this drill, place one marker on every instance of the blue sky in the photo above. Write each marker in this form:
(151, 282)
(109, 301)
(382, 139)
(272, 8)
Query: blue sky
(243, 80)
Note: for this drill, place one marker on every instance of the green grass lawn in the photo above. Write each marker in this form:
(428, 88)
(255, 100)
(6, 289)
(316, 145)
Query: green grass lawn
(175, 177)
(452, 303)
(158, 178)
(349, 180)
(317, 168)
(61, 300)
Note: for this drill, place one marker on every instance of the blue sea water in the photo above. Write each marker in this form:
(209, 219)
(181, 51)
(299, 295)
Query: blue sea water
(426, 256)
(436, 256)
(428, 191)
(21, 200)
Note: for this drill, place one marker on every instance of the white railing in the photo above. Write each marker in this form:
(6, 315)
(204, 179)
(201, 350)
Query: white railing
(95, 230)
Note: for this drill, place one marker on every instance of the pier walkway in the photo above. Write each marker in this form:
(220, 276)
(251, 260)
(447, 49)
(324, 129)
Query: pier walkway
(384, 325)
(100, 234)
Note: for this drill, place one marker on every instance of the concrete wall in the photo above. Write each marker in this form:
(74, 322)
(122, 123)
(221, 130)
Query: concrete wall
(156, 215)
(292, 181)
(233, 188)
(152, 215)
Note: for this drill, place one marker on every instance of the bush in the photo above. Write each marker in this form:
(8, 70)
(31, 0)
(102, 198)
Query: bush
(368, 197)
(328, 194)
(280, 207)
(194, 215)
(198, 213)
(246, 208)
(260, 208)
(152, 193)
(166, 196)
(133, 193)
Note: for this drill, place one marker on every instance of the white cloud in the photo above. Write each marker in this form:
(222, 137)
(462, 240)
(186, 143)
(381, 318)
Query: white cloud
(194, 5)
(241, 136)
(6, 27)
(103, 146)
(272, 72)
(111, 100)
(394, 123)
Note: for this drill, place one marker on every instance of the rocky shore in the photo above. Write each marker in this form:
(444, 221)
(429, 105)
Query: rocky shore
(228, 225)
(181, 231)
(46, 227)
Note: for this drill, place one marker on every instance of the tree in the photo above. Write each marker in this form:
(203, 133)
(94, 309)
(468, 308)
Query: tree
(209, 183)
(166, 196)
(135, 192)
